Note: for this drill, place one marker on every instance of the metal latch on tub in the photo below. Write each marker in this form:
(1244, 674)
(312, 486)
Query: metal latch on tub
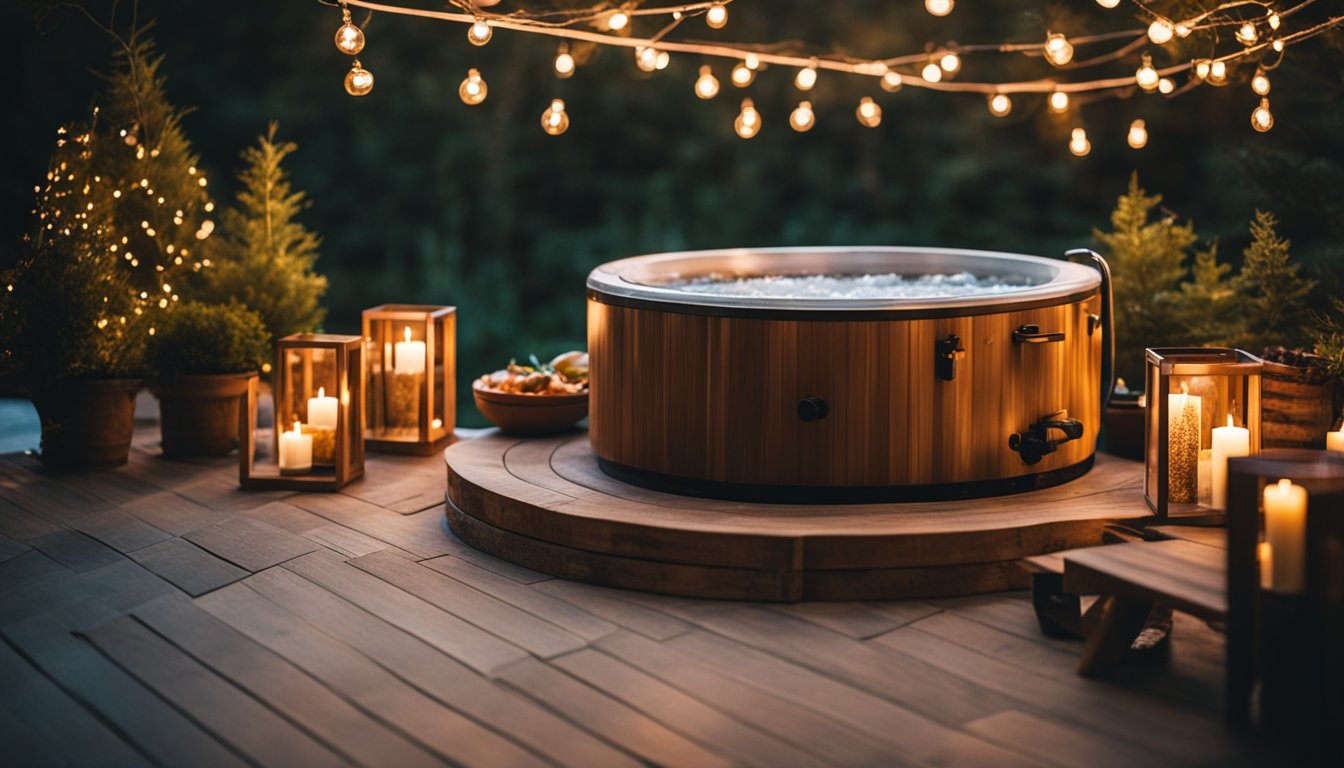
(1032, 334)
(946, 352)
(1035, 443)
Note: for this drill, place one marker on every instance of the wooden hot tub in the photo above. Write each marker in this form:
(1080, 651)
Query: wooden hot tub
(849, 398)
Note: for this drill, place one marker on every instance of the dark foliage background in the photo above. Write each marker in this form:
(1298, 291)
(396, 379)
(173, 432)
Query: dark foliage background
(421, 198)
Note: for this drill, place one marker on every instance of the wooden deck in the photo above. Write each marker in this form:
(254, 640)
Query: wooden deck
(158, 615)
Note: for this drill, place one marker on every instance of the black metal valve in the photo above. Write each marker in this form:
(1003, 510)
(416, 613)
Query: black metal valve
(1035, 443)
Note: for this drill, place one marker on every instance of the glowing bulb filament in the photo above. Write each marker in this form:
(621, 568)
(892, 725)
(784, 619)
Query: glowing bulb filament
(1078, 143)
(1161, 30)
(480, 32)
(1261, 120)
(743, 74)
(939, 7)
(1146, 76)
(806, 78)
(1058, 49)
(1138, 138)
(868, 113)
(748, 122)
(706, 86)
(473, 89)
(1059, 102)
(564, 62)
(891, 81)
(1000, 105)
(802, 118)
(716, 16)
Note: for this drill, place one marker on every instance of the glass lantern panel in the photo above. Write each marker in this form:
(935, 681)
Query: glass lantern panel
(308, 393)
(398, 361)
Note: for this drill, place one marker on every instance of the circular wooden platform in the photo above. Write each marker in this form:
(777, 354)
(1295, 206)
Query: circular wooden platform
(545, 504)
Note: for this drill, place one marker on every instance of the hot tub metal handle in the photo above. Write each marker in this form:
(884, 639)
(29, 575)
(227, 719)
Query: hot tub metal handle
(947, 352)
(1035, 443)
(1032, 334)
(1107, 319)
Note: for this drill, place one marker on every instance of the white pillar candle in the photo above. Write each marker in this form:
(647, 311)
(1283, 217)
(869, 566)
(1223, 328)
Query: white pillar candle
(1266, 557)
(1334, 441)
(1286, 532)
(409, 356)
(1206, 477)
(1183, 447)
(322, 410)
(1228, 442)
(296, 452)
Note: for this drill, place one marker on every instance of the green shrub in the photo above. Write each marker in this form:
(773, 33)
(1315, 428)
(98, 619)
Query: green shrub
(198, 338)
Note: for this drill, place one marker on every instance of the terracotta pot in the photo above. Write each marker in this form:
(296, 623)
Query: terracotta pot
(198, 415)
(524, 414)
(87, 422)
(1123, 420)
(1295, 412)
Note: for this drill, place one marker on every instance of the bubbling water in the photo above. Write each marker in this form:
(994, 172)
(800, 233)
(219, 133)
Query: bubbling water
(889, 285)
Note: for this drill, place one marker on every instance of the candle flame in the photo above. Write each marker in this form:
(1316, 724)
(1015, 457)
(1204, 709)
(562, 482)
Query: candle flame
(1284, 486)
(322, 392)
(1229, 419)
(296, 428)
(1185, 388)
(408, 333)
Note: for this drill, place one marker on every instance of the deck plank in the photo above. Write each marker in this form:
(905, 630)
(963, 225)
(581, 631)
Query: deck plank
(612, 605)
(250, 544)
(420, 533)
(187, 566)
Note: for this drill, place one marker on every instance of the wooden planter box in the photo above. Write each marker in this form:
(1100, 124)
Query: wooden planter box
(1295, 412)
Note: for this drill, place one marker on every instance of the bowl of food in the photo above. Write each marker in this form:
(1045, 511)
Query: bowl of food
(536, 399)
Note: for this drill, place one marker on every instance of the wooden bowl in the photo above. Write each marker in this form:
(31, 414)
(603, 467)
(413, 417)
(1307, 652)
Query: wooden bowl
(526, 414)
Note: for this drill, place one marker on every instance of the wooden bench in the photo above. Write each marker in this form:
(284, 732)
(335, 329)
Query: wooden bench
(1185, 571)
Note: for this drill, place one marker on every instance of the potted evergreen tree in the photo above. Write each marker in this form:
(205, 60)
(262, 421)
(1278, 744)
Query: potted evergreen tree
(204, 354)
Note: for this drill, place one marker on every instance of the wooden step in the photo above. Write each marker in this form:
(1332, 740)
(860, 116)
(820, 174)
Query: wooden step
(1184, 575)
(1197, 534)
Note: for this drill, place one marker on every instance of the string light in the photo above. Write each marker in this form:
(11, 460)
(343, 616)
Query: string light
(1160, 31)
(931, 72)
(938, 7)
(1261, 118)
(358, 82)
(1108, 3)
(802, 118)
(480, 32)
(1277, 45)
(564, 62)
(868, 113)
(1058, 49)
(806, 78)
(1260, 82)
(1000, 105)
(1059, 102)
(1146, 76)
(1138, 135)
(1078, 143)
(1201, 68)
(646, 58)
(618, 21)
(892, 82)
(748, 122)
(1247, 34)
(950, 62)
(707, 85)
(1273, 20)
(555, 120)
(1218, 73)
(716, 16)
(742, 75)
(349, 38)
(1183, 29)
(473, 88)
(1166, 85)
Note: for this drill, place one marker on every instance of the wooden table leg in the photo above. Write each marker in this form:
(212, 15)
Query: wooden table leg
(1119, 621)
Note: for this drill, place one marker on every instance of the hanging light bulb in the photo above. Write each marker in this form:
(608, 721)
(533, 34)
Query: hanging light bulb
(802, 118)
(1260, 82)
(1059, 102)
(480, 32)
(618, 21)
(950, 62)
(664, 58)
(1108, 3)
(473, 88)
(742, 75)
(358, 81)
(891, 82)
(1273, 20)
(555, 120)
(868, 112)
(646, 58)
(1166, 85)
(1218, 73)
(349, 38)
(1000, 105)
(1247, 34)
(932, 72)
(1277, 45)
(1201, 68)
(1138, 135)
(752, 61)
(1058, 49)
(1261, 118)
(716, 16)
(1146, 76)
(806, 77)
(564, 62)
(939, 7)
(1161, 30)
(1078, 143)
(748, 122)
(707, 85)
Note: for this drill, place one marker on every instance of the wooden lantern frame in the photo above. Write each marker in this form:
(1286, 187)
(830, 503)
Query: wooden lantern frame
(1288, 643)
(1164, 363)
(348, 375)
(437, 395)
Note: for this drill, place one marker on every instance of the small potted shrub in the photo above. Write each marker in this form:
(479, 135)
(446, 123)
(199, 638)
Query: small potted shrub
(204, 354)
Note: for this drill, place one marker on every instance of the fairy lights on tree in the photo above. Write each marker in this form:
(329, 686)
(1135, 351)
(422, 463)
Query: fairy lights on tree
(1260, 30)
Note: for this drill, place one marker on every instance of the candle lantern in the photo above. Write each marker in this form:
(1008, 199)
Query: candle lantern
(1203, 408)
(412, 379)
(317, 441)
(1285, 592)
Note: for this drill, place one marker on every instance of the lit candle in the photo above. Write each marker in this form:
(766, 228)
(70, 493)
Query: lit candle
(409, 356)
(1286, 532)
(1228, 442)
(1334, 441)
(1266, 558)
(1206, 476)
(296, 452)
(1183, 446)
(322, 410)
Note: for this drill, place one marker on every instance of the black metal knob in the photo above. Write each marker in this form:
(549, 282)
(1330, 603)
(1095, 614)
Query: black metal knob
(812, 409)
